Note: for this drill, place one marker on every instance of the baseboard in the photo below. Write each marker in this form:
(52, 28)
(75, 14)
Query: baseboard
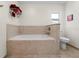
(73, 46)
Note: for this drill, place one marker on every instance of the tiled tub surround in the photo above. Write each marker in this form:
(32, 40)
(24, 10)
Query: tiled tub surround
(22, 45)
(54, 30)
(22, 48)
(12, 30)
(33, 30)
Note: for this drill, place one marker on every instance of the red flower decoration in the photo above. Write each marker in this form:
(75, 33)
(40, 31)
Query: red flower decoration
(15, 10)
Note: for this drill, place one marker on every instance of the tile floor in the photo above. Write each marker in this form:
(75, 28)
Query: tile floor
(69, 53)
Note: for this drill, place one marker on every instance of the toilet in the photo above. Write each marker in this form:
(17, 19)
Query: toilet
(63, 42)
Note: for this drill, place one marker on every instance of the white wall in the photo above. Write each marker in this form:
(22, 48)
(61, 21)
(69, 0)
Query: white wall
(72, 28)
(13, 20)
(5, 18)
(39, 14)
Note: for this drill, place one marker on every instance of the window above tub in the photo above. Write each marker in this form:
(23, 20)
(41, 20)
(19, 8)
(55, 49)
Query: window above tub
(55, 17)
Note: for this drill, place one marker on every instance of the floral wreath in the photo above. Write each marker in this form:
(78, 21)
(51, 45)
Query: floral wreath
(15, 10)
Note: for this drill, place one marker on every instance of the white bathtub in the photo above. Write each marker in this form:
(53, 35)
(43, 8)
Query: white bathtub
(32, 37)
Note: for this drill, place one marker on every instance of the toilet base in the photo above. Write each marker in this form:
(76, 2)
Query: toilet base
(63, 42)
(63, 45)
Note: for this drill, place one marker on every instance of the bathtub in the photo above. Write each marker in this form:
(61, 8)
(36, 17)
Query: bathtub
(32, 44)
(32, 37)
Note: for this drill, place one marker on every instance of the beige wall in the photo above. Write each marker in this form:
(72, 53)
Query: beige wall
(72, 27)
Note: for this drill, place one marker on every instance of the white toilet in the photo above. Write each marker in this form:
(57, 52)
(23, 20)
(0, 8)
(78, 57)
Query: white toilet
(63, 42)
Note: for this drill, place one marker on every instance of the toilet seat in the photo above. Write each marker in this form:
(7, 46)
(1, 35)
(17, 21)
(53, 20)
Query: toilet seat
(64, 39)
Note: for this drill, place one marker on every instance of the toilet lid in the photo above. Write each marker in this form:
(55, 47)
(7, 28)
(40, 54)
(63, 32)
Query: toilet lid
(64, 38)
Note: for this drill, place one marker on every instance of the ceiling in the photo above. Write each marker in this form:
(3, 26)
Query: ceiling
(41, 2)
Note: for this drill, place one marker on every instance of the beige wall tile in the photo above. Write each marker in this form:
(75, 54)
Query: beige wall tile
(12, 30)
(33, 29)
(32, 47)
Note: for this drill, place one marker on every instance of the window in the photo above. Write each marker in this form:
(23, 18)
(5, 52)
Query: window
(55, 17)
